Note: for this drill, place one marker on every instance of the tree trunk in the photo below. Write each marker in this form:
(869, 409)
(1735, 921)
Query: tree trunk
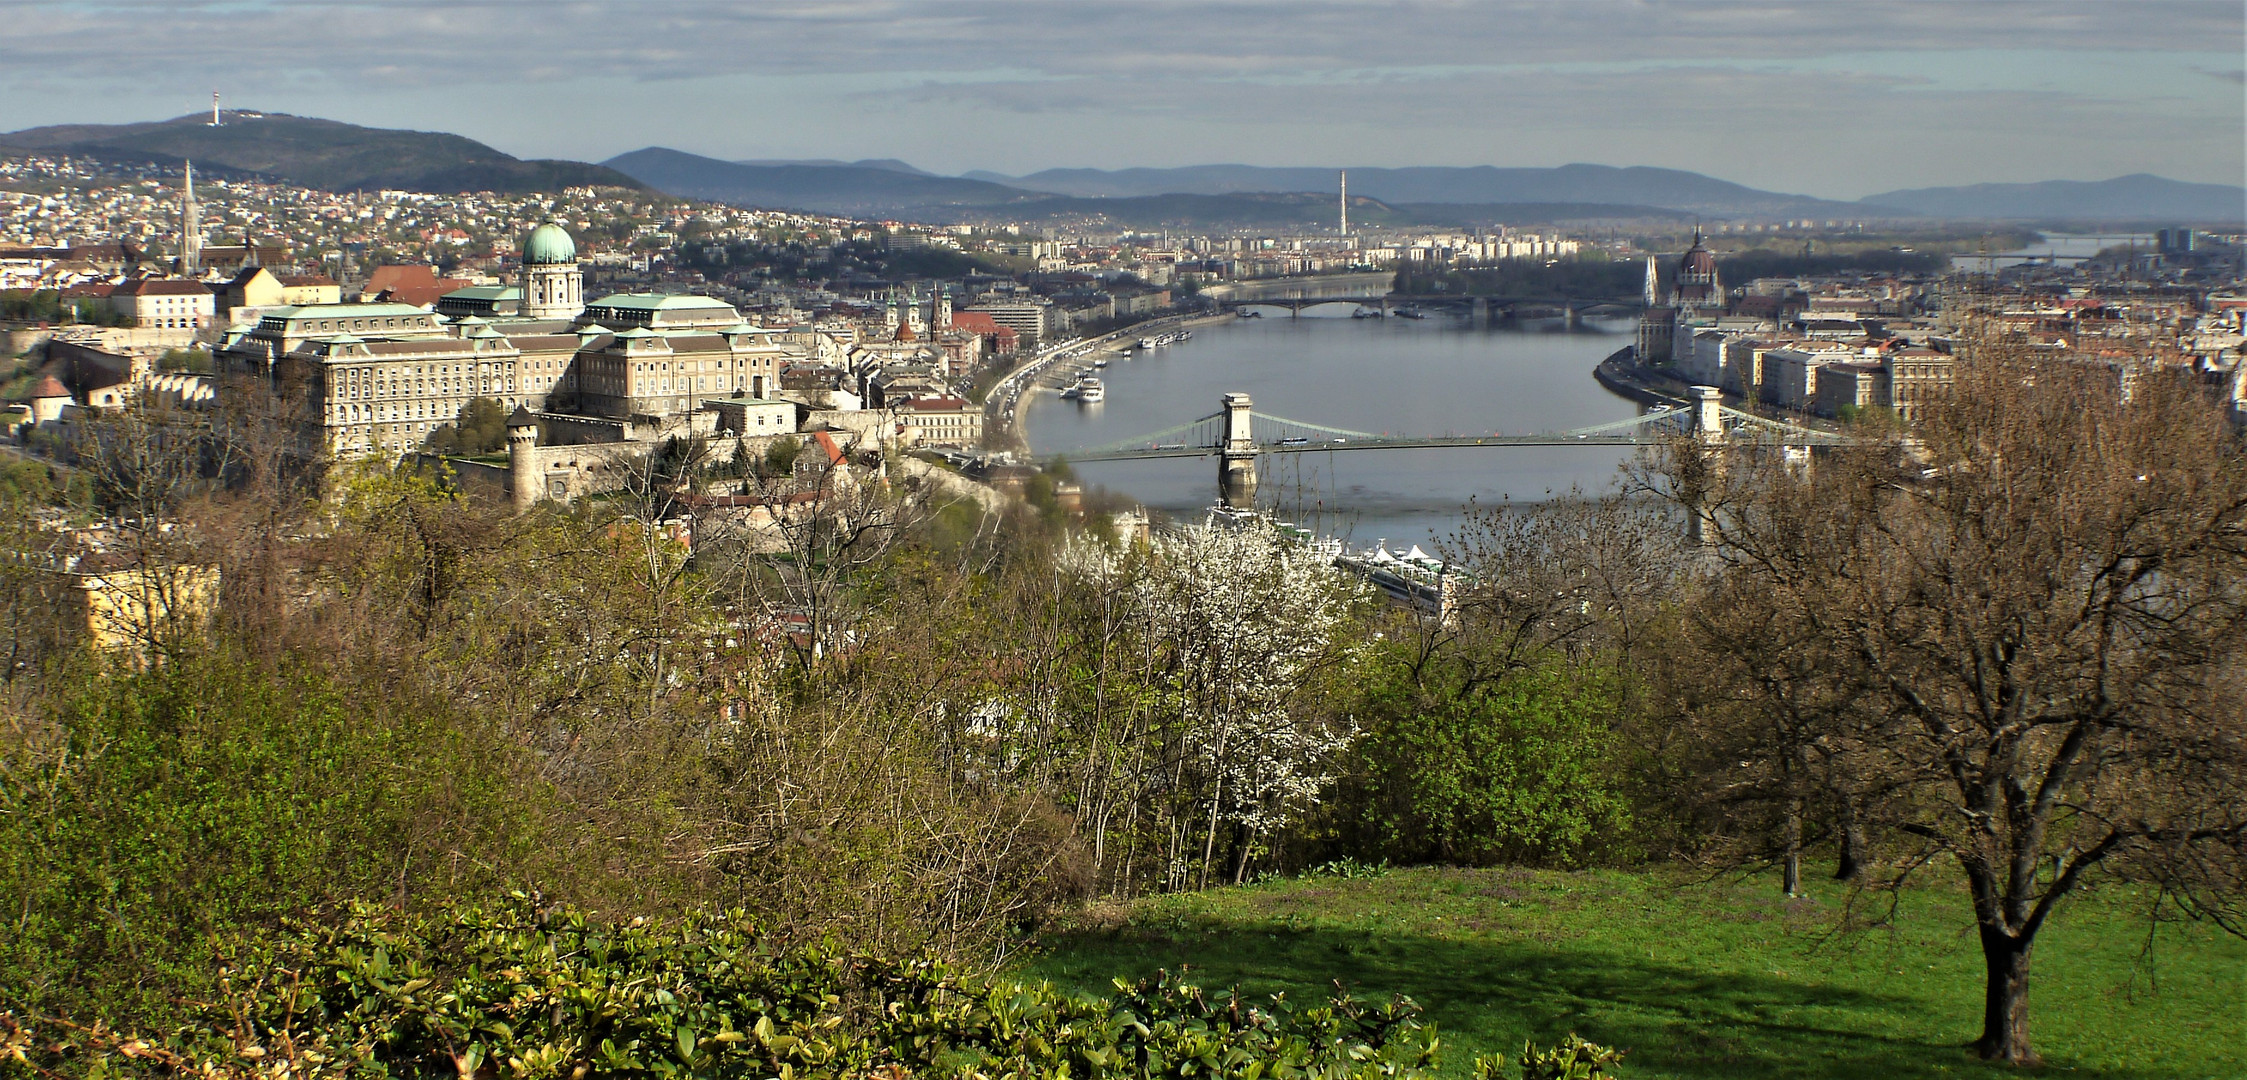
(1852, 861)
(2005, 1004)
(1791, 880)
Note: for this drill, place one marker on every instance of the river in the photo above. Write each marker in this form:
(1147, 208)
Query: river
(2063, 245)
(1426, 377)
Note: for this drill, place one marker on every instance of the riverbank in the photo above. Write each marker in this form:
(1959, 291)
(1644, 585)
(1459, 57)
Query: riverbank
(1002, 406)
(1621, 373)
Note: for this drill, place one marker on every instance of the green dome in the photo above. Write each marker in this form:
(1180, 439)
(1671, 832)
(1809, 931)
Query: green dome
(547, 244)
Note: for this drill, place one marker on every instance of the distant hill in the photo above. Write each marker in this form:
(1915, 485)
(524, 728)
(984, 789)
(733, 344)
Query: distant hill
(2137, 197)
(864, 189)
(322, 154)
(892, 164)
(1671, 189)
(890, 188)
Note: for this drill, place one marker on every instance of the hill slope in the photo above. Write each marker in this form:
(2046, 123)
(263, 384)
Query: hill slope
(320, 154)
(872, 189)
(2137, 197)
(1670, 189)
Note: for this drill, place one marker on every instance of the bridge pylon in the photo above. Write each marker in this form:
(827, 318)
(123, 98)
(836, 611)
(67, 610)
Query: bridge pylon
(1236, 462)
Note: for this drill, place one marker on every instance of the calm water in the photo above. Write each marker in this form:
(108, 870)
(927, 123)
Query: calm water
(1422, 377)
(2061, 244)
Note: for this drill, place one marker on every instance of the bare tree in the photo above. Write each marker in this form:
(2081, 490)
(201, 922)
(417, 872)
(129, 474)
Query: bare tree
(2022, 633)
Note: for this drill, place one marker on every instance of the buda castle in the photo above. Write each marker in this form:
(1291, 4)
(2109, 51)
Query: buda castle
(377, 379)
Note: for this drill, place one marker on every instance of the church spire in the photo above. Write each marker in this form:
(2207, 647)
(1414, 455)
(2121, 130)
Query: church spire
(190, 228)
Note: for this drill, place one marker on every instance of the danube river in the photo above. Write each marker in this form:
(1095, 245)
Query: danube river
(1422, 377)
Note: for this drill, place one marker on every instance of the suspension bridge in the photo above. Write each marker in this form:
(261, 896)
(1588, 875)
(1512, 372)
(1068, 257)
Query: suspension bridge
(1238, 435)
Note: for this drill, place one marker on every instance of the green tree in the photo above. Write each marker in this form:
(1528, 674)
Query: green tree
(1520, 768)
(480, 428)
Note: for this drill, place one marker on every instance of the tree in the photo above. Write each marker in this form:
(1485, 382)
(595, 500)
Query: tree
(2029, 627)
(480, 428)
(1244, 618)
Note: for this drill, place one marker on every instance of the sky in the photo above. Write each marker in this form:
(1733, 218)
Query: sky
(1834, 98)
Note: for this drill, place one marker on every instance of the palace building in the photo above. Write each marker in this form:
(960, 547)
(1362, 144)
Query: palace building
(377, 379)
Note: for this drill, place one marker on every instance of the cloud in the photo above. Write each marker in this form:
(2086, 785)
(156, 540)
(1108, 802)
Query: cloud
(1806, 89)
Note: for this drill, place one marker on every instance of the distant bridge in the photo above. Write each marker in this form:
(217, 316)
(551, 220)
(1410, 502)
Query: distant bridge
(1238, 435)
(1479, 308)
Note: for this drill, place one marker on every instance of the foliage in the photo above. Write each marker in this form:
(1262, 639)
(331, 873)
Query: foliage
(480, 428)
(192, 361)
(47, 305)
(2010, 649)
(780, 457)
(146, 815)
(1573, 1059)
(1520, 768)
(530, 992)
(1592, 277)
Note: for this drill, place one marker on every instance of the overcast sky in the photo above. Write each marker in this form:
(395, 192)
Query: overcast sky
(1836, 99)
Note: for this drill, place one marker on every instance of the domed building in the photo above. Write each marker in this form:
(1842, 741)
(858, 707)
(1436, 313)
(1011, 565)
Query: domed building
(1698, 288)
(553, 286)
(1694, 301)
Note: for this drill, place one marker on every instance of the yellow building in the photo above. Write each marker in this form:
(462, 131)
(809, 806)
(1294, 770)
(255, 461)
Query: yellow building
(137, 608)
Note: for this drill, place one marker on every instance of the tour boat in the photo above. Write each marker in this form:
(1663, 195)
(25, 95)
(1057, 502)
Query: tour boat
(1090, 391)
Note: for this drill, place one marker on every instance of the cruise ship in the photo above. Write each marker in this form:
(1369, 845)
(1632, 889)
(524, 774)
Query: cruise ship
(1160, 340)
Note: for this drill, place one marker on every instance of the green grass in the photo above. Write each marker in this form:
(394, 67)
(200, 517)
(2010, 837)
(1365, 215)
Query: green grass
(1696, 978)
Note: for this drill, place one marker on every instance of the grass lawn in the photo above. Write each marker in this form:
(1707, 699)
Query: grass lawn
(1696, 978)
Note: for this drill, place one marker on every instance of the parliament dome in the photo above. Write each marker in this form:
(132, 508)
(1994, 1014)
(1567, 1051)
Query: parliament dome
(549, 244)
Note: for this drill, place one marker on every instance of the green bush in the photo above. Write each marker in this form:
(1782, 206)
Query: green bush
(147, 819)
(524, 992)
(1468, 772)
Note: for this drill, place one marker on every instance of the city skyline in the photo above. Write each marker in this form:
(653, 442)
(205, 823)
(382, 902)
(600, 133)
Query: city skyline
(1837, 101)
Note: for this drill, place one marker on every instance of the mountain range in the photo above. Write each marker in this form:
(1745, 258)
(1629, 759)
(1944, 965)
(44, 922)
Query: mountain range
(317, 153)
(2138, 196)
(342, 157)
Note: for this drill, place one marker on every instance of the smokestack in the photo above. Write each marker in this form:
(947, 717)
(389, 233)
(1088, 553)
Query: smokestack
(1345, 202)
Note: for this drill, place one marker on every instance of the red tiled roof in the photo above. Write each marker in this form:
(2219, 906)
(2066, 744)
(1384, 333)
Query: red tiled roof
(162, 287)
(49, 387)
(935, 404)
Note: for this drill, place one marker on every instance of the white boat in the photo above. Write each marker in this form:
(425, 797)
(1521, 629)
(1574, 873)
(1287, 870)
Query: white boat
(1099, 361)
(1090, 391)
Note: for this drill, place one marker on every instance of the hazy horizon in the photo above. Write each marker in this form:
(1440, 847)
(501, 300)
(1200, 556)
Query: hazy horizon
(1831, 100)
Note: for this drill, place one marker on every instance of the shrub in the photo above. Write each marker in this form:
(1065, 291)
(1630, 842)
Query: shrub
(525, 992)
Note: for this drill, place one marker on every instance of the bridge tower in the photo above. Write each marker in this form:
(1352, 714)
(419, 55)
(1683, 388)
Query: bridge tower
(1708, 433)
(1708, 415)
(1236, 466)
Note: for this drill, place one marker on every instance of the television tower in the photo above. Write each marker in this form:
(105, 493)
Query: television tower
(1345, 202)
(214, 109)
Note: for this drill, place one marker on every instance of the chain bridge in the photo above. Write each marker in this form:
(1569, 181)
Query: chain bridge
(1238, 435)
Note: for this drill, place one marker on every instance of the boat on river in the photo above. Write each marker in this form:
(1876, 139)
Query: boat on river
(1091, 391)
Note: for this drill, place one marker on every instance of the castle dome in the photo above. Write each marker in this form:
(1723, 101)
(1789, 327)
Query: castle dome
(549, 244)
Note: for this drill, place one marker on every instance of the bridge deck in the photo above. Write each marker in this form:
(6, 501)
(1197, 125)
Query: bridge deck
(1414, 443)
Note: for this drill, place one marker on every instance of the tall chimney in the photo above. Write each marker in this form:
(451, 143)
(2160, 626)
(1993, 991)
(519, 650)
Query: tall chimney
(1345, 202)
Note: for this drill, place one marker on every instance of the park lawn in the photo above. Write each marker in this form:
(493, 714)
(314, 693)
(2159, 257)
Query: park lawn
(1698, 978)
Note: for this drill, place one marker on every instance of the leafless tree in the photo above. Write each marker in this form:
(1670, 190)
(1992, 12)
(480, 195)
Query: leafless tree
(2020, 634)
